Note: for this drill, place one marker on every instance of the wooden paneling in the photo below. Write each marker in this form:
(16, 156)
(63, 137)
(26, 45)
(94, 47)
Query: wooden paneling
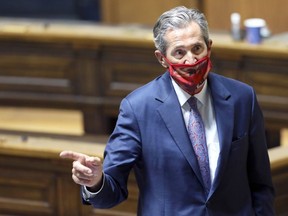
(47, 68)
(274, 12)
(217, 12)
(30, 189)
(127, 72)
(35, 181)
(279, 169)
(138, 12)
(99, 65)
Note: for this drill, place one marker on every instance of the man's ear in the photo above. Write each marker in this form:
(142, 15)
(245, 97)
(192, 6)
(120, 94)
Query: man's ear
(160, 58)
(209, 47)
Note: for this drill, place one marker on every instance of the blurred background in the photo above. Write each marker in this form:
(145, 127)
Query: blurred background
(65, 65)
(146, 12)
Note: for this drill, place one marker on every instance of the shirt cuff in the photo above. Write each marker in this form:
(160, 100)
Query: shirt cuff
(88, 194)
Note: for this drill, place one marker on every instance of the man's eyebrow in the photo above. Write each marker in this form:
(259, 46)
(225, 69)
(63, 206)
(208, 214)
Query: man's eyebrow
(198, 43)
(179, 47)
(191, 45)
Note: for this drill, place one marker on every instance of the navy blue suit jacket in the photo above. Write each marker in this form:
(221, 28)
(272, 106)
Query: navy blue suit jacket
(150, 136)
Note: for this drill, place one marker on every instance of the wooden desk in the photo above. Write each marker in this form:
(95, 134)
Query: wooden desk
(91, 67)
(35, 181)
(279, 167)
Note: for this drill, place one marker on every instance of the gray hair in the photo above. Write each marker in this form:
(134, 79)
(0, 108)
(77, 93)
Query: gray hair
(176, 18)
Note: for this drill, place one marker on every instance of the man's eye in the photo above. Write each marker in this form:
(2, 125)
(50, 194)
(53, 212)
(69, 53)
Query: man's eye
(197, 49)
(179, 53)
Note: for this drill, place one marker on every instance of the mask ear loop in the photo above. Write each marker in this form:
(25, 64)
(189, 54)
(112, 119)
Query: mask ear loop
(163, 63)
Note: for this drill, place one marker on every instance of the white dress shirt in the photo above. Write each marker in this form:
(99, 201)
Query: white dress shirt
(205, 106)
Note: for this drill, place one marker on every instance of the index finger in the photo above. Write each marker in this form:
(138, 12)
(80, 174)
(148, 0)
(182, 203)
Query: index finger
(66, 154)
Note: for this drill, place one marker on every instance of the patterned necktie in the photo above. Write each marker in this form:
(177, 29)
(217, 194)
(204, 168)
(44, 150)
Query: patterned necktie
(196, 131)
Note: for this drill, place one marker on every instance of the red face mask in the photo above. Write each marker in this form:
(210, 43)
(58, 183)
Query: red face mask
(190, 77)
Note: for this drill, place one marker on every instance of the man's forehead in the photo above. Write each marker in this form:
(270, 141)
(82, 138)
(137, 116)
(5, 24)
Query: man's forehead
(192, 29)
(183, 37)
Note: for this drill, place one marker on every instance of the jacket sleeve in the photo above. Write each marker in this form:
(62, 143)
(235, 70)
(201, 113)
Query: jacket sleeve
(121, 152)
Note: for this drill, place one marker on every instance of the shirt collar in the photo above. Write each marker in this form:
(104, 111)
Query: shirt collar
(183, 96)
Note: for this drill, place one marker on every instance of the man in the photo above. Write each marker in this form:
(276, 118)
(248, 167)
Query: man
(155, 135)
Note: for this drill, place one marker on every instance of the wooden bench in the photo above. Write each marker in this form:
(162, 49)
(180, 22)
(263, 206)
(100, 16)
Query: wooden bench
(35, 181)
(279, 167)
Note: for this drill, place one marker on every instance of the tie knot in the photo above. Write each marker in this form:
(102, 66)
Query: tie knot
(192, 102)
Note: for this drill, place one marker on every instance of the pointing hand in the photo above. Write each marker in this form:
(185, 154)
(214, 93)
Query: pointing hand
(86, 170)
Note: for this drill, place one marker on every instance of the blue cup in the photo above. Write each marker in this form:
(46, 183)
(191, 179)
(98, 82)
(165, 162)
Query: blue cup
(253, 30)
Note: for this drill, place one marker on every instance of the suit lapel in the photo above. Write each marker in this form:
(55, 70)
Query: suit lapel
(171, 114)
(224, 112)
